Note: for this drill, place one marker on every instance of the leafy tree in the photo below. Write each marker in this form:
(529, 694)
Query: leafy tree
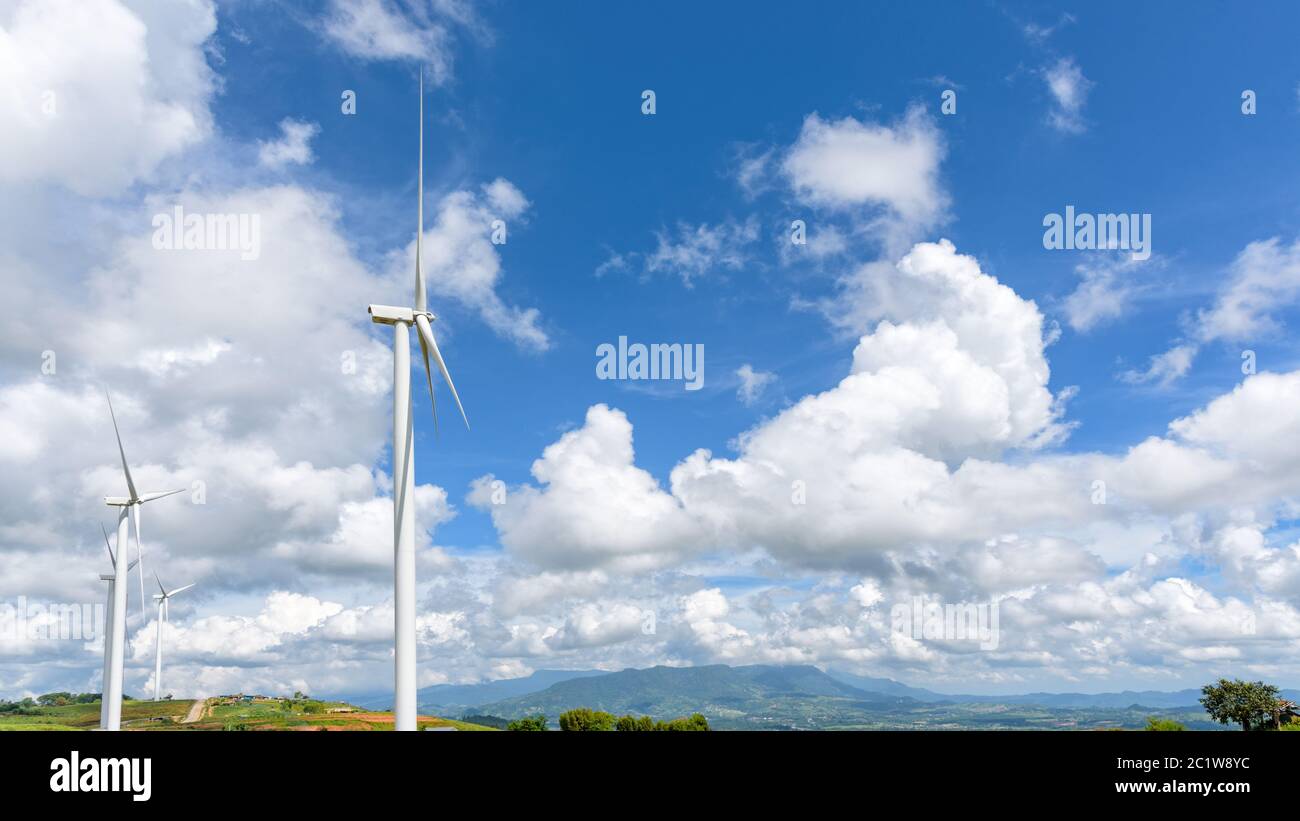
(1163, 724)
(585, 719)
(54, 699)
(530, 724)
(1243, 702)
(313, 707)
(695, 723)
(634, 724)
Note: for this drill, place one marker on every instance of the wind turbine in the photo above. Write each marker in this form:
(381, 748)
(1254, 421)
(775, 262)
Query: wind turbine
(128, 506)
(108, 632)
(404, 710)
(164, 611)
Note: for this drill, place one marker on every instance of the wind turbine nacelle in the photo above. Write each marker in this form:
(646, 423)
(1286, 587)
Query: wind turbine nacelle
(117, 501)
(390, 315)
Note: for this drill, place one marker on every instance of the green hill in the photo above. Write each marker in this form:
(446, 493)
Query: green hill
(754, 695)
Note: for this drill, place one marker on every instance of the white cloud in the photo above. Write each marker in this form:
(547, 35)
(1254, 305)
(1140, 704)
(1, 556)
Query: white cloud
(702, 249)
(594, 508)
(97, 93)
(1105, 291)
(1069, 90)
(1262, 281)
(848, 164)
(462, 263)
(293, 147)
(1164, 368)
(417, 30)
(752, 383)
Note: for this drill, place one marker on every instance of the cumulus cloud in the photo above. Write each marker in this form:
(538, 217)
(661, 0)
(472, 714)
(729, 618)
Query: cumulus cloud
(293, 147)
(416, 30)
(942, 385)
(97, 93)
(847, 164)
(593, 507)
(462, 263)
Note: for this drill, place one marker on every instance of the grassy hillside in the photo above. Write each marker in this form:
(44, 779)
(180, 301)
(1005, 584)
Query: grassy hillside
(136, 715)
(270, 714)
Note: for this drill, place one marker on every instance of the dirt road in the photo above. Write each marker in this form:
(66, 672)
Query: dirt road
(197, 709)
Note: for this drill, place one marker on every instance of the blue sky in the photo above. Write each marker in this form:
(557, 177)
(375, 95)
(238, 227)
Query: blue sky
(674, 228)
(552, 103)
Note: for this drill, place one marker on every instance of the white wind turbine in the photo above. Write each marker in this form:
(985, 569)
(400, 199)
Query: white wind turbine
(129, 506)
(108, 632)
(164, 610)
(404, 709)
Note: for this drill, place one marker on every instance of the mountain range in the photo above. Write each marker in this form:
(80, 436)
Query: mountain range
(797, 697)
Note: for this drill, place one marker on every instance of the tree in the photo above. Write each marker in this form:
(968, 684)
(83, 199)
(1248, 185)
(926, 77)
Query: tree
(1163, 724)
(585, 719)
(627, 724)
(531, 724)
(1243, 702)
(54, 699)
(695, 723)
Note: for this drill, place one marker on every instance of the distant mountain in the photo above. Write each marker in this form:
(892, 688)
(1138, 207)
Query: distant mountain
(798, 697)
(716, 690)
(446, 699)
(887, 686)
(1158, 699)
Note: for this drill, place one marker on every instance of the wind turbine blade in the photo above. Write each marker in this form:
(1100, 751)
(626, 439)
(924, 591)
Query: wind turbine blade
(159, 494)
(129, 484)
(139, 556)
(132, 565)
(161, 589)
(167, 609)
(421, 300)
(426, 334)
(111, 558)
(180, 589)
(428, 375)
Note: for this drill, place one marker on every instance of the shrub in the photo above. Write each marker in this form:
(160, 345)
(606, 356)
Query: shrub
(1163, 724)
(634, 724)
(584, 719)
(530, 724)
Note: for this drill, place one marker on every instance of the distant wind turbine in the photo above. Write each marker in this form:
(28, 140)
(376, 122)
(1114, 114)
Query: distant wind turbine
(164, 611)
(108, 632)
(404, 709)
(128, 506)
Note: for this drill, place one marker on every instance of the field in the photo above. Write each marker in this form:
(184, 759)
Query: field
(268, 714)
(136, 715)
